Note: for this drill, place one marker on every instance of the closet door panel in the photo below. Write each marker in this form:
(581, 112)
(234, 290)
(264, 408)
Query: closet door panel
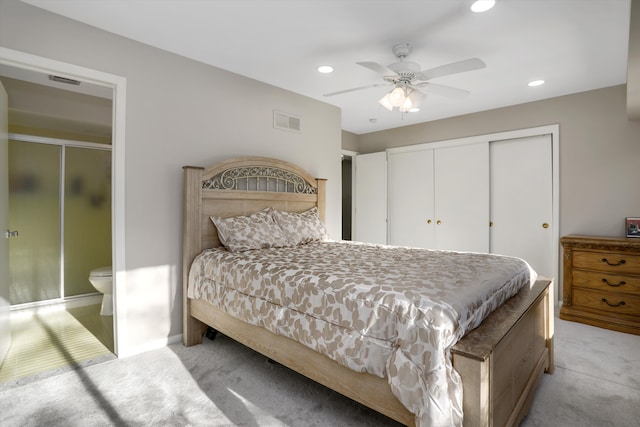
(462, 198)
(370, 221)
(522, 200)
(410, 197)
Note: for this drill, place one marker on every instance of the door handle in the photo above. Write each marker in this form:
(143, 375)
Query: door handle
(10, 233)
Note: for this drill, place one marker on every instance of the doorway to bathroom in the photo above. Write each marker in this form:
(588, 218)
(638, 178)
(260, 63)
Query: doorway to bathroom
(95, 83)
(59, 156)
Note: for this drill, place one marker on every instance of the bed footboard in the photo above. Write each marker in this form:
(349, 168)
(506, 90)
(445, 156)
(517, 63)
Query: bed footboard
(501, 362)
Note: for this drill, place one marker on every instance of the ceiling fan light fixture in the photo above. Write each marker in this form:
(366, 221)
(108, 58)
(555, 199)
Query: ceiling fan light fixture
(417, 97)
(480, 6)
(406, 106)
(397, 96)
(384, 101)
(407, 99)
(413, 101)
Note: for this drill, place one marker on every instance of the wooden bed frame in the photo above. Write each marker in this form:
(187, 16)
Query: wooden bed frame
(500, 362)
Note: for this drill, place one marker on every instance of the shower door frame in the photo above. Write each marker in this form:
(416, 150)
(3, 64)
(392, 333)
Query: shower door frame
(118, 84)
(63, 144)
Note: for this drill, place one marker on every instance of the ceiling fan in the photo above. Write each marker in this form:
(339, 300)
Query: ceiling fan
(410, 83)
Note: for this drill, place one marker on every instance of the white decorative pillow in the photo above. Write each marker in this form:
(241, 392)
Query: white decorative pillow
(301, 228)
(245, 233)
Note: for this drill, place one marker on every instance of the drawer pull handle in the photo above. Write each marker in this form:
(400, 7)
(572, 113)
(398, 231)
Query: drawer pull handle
(621, 303)
(614, 285)
(613, 264)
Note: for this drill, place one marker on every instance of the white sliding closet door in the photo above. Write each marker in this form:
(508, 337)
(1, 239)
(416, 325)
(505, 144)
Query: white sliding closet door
(462, 198)
(522, 200)
(370, 198)
(439, 197)
(411, 211)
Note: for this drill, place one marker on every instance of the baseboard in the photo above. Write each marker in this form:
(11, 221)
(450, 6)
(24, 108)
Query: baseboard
(174, 339)
(151, 345)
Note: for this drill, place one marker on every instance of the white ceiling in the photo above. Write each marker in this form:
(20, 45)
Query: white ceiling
(574, 45)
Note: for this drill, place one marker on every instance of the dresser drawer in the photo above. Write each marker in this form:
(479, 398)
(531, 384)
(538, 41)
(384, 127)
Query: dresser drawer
(611, 262)
(601, 281)
(611, 302)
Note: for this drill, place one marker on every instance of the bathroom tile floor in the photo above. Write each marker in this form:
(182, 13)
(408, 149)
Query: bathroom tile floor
(55, 341)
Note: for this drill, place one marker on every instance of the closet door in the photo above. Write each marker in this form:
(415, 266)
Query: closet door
(522, 200)
(462, 198)
(410, 197)
(370, 198)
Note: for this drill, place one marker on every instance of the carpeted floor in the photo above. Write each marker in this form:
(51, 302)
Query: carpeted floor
(221, 383)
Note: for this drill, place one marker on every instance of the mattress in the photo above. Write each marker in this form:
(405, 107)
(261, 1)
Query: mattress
(393, 312)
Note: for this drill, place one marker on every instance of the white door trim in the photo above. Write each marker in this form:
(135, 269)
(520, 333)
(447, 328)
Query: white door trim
(23, 60)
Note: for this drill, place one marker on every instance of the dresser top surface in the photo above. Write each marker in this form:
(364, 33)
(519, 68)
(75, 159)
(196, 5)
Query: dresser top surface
(603, 242)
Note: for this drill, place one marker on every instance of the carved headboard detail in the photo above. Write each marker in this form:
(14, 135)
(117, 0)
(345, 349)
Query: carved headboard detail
(242, 186)
(259, 178)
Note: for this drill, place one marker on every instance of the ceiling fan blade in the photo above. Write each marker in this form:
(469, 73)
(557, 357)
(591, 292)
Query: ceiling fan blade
(380, 69)
(354, 89)
(453, 68)
(442, 90)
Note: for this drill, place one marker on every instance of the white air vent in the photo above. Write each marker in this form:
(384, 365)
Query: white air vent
(286, 121)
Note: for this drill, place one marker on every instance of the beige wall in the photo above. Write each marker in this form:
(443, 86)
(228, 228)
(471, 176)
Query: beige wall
(349, 141)
(633, 63)
(178, 112)
(599, 152)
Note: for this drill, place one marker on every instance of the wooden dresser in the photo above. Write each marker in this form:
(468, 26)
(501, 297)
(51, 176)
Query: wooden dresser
(601, 282)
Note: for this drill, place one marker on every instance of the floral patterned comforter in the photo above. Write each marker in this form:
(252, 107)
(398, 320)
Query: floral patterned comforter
(390, 311)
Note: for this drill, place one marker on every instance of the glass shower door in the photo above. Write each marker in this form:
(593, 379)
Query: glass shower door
(34, 211)
(87, 216)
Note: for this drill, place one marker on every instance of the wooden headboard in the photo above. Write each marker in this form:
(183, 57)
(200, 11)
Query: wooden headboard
(241, 186)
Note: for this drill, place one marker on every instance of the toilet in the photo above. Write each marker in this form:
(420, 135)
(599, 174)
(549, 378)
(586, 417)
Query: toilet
(102, 280)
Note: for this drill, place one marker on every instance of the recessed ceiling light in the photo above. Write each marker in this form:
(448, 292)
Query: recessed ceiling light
(325, 69)
(414, 110)
(482, 5)
(536, 83)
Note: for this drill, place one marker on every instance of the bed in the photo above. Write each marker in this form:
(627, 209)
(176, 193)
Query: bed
(499, 360)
